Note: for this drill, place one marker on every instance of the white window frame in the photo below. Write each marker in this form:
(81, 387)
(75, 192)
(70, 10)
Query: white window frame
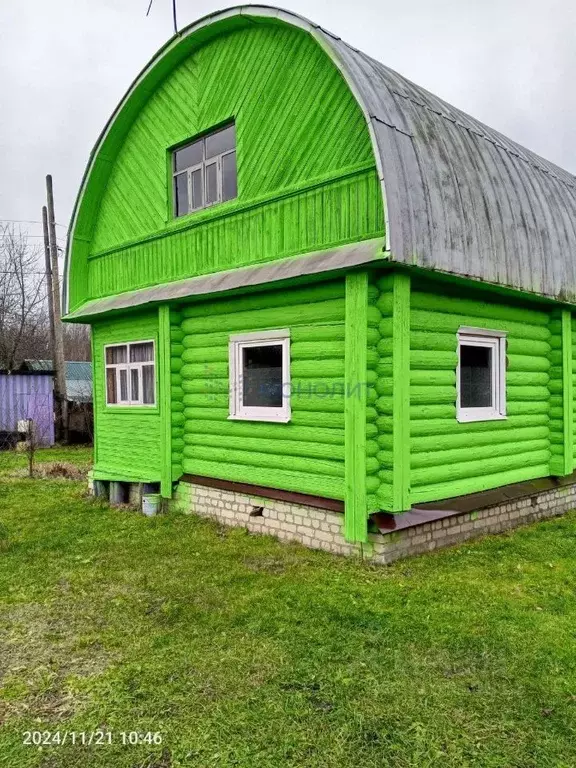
(495, 341)
(129, 367)
(202, 166)
(238, 342)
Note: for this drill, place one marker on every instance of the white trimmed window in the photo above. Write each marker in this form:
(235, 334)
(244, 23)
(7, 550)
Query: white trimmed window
(204, 171)
(130, 376)
(481, 375)
(260, 376)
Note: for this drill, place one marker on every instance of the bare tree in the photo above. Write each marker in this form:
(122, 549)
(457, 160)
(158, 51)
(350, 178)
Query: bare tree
(77, 342)
(23, 318)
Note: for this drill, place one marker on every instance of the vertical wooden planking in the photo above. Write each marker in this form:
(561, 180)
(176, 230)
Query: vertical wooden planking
(567, 393)
(356, 342)
(164, 397)
(401, 392)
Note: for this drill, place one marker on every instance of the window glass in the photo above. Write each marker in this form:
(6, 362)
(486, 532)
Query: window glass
(262, 376)
(141, 353)
(197, 192)
(229, 182)
(115, 355)
(123, 385)
(111, 390)
(221, 141)
(134, 388)
(188, 156)
(205, 171)
(148, 384)
(476, 377)
(181, 192)
(211, 183)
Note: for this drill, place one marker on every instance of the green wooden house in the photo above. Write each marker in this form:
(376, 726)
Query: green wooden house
(309, 278)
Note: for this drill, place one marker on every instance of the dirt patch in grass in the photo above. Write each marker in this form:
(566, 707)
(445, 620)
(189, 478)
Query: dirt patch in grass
(56, 470)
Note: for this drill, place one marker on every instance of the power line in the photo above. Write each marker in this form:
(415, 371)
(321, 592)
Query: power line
(30, 221)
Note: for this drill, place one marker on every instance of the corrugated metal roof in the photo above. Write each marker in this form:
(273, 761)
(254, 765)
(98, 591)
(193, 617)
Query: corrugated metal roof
(78, 377)
(459, 196)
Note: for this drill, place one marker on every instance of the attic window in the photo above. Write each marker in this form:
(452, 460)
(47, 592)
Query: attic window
(481, 375)
(260, 376)
(204, 171)
(130, 378)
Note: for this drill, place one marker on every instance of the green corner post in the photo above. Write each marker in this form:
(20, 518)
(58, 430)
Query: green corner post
(567, 392)
(401, 392)
(164, 398)
(356, 347)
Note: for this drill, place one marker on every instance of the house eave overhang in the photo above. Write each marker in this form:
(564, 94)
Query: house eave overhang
(273, 274)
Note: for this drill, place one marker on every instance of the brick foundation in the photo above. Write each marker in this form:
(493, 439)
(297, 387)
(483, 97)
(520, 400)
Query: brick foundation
(322, 529)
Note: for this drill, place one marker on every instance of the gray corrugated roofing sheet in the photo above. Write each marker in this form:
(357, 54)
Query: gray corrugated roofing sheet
(459, 197)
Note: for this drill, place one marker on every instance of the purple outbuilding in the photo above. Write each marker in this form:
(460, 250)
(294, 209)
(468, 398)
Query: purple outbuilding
(23, 396)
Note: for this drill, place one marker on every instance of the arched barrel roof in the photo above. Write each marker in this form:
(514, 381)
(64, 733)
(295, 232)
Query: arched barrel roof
(460, 197)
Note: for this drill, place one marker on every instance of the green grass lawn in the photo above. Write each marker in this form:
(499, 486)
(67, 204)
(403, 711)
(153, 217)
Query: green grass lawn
(242, 651)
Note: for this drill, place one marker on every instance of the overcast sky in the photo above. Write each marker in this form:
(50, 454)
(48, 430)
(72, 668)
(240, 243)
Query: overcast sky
(64, 65)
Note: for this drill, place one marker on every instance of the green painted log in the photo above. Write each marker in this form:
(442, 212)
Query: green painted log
(372, 483)
(374, 316)
(531, 394)
(385, 459)
(371, 430)
(266, 300)
(176, 335)
(302, 482)
(283, 449)
(386, 282)
(475, 484)
(175, 364)
(384, 367)
(433, 342)
(385, 303)
(260, 460)
(527, 378)
(177, 444)
(372, 336)
(177, 418)
(206, 386)
(312, 333)
(210, 371)
(386, 441)
(372, 358)
(442, 460)
(434, 395)
(371, 414)
(176, 350)
(317, 369)
(384, 405)
(432, 412)
(372, 294)
(371, 377)
(438, 442)
(471, 469)
(491, 311)
(372, 465)
(524, 407)
(176, 405)
(434, 360)
(384, 386)
(176, 392)
(371, 396)
(205, 401)
(175, 379)
(316, 350)
(261, 430)
(385, 327)
(441, 322)
(386, 476)
(205, 355)
(433, 378)
(371, 447)
(384, 348)
(314, 402)
(331, 310)
(527, 363)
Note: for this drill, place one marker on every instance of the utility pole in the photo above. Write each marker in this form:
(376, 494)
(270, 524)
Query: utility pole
(58, 357)
(49, 281)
